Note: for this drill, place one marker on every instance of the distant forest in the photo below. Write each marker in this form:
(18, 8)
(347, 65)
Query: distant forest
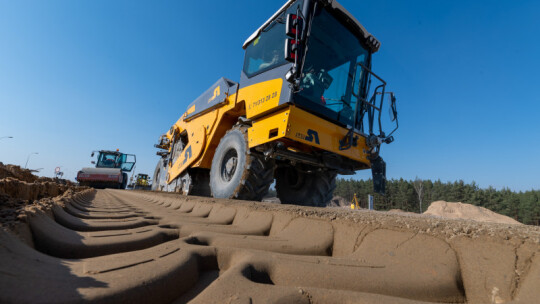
(406, 195)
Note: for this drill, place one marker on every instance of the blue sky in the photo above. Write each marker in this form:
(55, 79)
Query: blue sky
(76, 76)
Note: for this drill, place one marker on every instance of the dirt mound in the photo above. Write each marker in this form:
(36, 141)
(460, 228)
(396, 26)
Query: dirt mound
(467, 211)
(20, 191)
(30, 191)
(338, 201)
(17, 172)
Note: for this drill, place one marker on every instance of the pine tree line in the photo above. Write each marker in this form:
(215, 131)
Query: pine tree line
(400, 194)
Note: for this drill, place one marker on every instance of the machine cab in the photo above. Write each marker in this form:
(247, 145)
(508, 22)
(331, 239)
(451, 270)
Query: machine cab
(115, 159)
(317, 56)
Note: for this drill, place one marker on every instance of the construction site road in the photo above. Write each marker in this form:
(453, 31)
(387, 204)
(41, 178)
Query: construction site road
(117, 246)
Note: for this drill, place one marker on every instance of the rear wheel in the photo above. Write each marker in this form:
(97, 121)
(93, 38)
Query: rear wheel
(158, 176)
(298, 187)
(237, 172)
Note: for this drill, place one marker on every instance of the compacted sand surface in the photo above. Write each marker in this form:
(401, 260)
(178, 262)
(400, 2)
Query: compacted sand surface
(117, 246)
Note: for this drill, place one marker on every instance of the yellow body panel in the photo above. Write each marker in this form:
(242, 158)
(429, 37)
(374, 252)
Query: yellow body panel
(303, 127)
(261, 97)
(202, 132)
(254, 100)
(190, 153)
(306, 130)
(269, 128)
(222, 124)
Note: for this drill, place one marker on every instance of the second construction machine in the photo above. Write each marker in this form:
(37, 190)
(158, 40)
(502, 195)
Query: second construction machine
(307, 108)
(141, 182)
(110, 171)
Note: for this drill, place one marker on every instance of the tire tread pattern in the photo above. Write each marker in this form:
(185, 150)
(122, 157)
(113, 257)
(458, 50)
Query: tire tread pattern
(317, 190)
(258, 173)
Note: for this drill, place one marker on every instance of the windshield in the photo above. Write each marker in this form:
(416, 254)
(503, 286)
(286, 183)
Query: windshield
(125, 162)
(107, 160)
(331, 72)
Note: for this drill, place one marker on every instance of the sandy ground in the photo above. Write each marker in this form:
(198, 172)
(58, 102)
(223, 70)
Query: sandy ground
(117, 246)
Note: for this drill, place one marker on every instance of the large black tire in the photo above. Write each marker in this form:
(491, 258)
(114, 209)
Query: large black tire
(237, 172)
(124, 181)
(298, 187)
(200, 179)
(157, 179)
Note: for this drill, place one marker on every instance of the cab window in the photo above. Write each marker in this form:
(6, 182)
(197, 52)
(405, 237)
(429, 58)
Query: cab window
(267, 50)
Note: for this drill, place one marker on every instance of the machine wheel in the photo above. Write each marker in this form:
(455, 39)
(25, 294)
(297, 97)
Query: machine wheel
(194, 181)
(201, 182)
(156, 180)
(236, 171)
(124, 181)
(294, 186)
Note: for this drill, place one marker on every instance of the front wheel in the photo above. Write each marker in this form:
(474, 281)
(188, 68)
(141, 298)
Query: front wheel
(237, 172)
(299, 187)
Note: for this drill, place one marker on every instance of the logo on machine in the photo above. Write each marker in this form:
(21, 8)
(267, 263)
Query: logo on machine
(311, 136)
(187, 155)
(216, 94)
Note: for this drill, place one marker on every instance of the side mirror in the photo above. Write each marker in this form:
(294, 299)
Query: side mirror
(293, 29)
(93, 162)
(291, 50)
(294, 26)
(393, 107)
(92, 155)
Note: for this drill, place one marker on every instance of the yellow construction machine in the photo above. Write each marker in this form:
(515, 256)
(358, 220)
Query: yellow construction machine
(141, 181)
(307, 108)
(354, 203)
